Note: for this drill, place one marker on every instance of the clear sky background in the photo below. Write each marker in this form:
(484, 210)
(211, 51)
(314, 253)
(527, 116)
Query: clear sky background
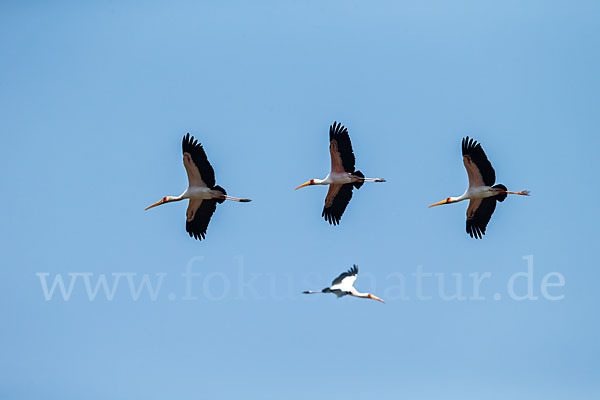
(95, 99)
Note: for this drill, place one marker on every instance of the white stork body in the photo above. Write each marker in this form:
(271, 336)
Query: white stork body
(344, 285)
(202, 191)
(481, 192)
(477, 192)
(343, 176)
(338, 178)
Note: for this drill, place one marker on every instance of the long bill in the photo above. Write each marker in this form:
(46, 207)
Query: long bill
(158, 203)
(440, 203)
(372, 296)
(303, 185)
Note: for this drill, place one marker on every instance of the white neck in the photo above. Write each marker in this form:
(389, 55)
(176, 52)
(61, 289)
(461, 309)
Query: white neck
(462, 197)
(356, 293)
(177, 198)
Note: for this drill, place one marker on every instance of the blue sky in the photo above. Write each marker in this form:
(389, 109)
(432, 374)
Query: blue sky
(94, 101)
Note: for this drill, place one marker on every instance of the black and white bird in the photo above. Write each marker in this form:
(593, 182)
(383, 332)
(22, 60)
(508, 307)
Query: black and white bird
(343, 176)
(344, 285)
(202, 190)
(482, 192)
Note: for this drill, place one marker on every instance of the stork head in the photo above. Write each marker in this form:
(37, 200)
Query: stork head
(311, 182)
(158, 203)
(447, 201)
(372, 296)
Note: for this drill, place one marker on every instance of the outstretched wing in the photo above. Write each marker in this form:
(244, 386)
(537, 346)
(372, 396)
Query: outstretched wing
(200, 172)
(479, 213)
(479, 169)
(336, 201)
(199, 213)
(346, 279)
(340, 147)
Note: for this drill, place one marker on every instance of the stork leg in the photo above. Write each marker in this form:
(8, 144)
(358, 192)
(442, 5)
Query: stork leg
(522, 192)
(237, 199)
(373, 180)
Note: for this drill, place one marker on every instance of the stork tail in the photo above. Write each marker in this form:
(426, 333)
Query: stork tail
(500, 197)
(220, 189)
(326, 290)
(359, 183)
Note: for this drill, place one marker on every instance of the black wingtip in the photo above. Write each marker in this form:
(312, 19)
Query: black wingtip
(469, 144)
(335, 129)
(476, 232)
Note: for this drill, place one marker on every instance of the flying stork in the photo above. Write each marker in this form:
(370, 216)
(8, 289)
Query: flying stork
(202, 191)
(481, 192)
(342, 178)
(344, 285)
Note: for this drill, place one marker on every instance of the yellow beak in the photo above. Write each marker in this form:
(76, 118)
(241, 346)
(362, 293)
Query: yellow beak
(158, 203)
(377, 298)
(304, 184)
(440, 203)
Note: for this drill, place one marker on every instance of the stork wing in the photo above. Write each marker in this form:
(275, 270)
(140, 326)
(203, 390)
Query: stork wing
(198, 216)
(347, 279)
(479, 169)
(336, 201)
(200, 172)
(478, 215)
(340, 147)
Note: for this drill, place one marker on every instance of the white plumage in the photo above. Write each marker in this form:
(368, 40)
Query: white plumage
(344, 285)
(343, 176)
(481, 192)
(202, 190)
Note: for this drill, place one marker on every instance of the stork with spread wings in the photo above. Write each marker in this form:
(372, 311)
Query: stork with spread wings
(344, 285)
(482, 192)
(343, 176)
(203, 192)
